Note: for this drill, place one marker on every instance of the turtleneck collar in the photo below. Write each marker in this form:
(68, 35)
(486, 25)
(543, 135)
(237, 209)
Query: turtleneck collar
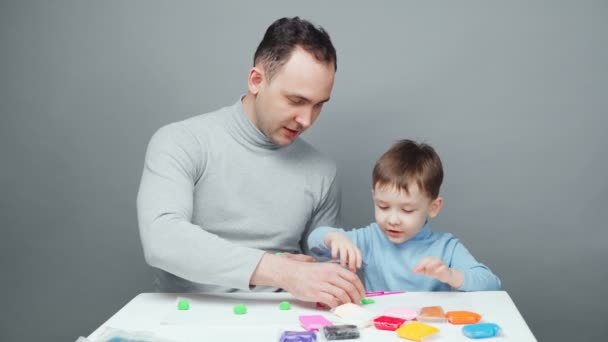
(245, 132)
(424, 233)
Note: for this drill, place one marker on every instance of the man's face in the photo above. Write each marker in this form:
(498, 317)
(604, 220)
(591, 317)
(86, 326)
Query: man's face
(400, 214)
(291, 101)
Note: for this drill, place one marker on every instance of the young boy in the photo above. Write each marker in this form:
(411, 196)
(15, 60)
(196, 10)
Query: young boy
(399, 252)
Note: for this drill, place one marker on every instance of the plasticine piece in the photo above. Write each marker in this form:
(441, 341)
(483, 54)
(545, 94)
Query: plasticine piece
(403, 312)
(462, 317)
(480, 330)
(432, 314)
(354, 314)
(298, 336)
(367, 301)
(240, 309)
(313, 322)
(388, 323)
(321, 306)
(284, 306)
(278, 253)
(341, 332)
(183, 304)
(416, 331)
(347, 310)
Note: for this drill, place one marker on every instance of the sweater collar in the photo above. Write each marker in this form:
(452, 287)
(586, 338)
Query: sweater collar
(245, 131)
(424, 233)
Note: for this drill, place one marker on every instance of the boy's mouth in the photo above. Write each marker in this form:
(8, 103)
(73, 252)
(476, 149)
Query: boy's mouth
(393, 232)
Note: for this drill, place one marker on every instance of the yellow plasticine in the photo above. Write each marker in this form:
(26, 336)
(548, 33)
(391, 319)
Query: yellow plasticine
(416, 331)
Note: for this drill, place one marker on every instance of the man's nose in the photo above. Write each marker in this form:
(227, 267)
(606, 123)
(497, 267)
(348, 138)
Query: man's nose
(304, 118)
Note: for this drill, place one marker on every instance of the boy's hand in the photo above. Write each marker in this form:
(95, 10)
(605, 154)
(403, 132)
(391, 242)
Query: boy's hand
(343, 247)
(435, 268)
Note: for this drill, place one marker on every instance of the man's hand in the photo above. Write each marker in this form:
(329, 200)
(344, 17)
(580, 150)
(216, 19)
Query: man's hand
(323, 282)
(327, 283)
(298, 257)
(435, 268)
(342, 247)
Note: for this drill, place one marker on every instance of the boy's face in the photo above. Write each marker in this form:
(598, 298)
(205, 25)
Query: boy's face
(400, 214)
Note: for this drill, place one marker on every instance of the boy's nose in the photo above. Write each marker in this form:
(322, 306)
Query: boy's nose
(393, 220)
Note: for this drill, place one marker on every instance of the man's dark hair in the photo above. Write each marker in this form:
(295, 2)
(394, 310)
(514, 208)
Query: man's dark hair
(284, 35)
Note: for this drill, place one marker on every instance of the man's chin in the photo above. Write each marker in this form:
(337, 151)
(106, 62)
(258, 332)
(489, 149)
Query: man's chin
(284, 141)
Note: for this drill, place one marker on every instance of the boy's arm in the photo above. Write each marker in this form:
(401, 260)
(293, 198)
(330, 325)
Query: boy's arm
(477, 276)
(316, 242)
(346, 246)
(360, 237)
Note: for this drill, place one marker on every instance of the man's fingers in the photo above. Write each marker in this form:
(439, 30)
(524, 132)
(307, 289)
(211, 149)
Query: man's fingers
(338, 293)
(353, 280)
(328, 299)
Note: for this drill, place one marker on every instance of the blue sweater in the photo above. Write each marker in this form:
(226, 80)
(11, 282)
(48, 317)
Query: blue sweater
(388, 266)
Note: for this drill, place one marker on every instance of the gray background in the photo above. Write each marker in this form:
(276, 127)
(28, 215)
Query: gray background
(512, 94)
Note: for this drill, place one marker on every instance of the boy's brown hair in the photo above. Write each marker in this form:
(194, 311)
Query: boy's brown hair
(408, 161)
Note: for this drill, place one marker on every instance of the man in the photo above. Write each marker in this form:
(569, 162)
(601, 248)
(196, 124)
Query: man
(222, 192)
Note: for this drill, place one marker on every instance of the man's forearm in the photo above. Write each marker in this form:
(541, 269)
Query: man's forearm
(271, 271)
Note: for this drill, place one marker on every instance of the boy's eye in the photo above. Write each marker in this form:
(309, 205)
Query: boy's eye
(382, 207)
(408, 211)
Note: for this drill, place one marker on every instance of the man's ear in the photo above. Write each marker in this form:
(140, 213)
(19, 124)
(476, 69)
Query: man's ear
(255, 79)
(435, 207)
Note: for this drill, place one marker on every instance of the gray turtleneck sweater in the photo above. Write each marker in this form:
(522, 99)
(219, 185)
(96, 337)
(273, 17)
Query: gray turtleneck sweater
(216, 193)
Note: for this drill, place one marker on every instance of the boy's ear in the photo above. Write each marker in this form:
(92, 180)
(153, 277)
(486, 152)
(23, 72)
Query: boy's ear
(435, 207)
(254, 80)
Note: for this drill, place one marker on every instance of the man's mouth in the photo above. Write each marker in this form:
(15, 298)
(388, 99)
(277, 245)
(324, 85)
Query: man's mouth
(291, 132)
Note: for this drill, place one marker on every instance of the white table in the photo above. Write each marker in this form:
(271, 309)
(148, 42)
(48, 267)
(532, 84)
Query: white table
(211, 316)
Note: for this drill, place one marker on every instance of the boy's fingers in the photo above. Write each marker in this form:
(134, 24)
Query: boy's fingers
(343, 257)
(354, 261)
